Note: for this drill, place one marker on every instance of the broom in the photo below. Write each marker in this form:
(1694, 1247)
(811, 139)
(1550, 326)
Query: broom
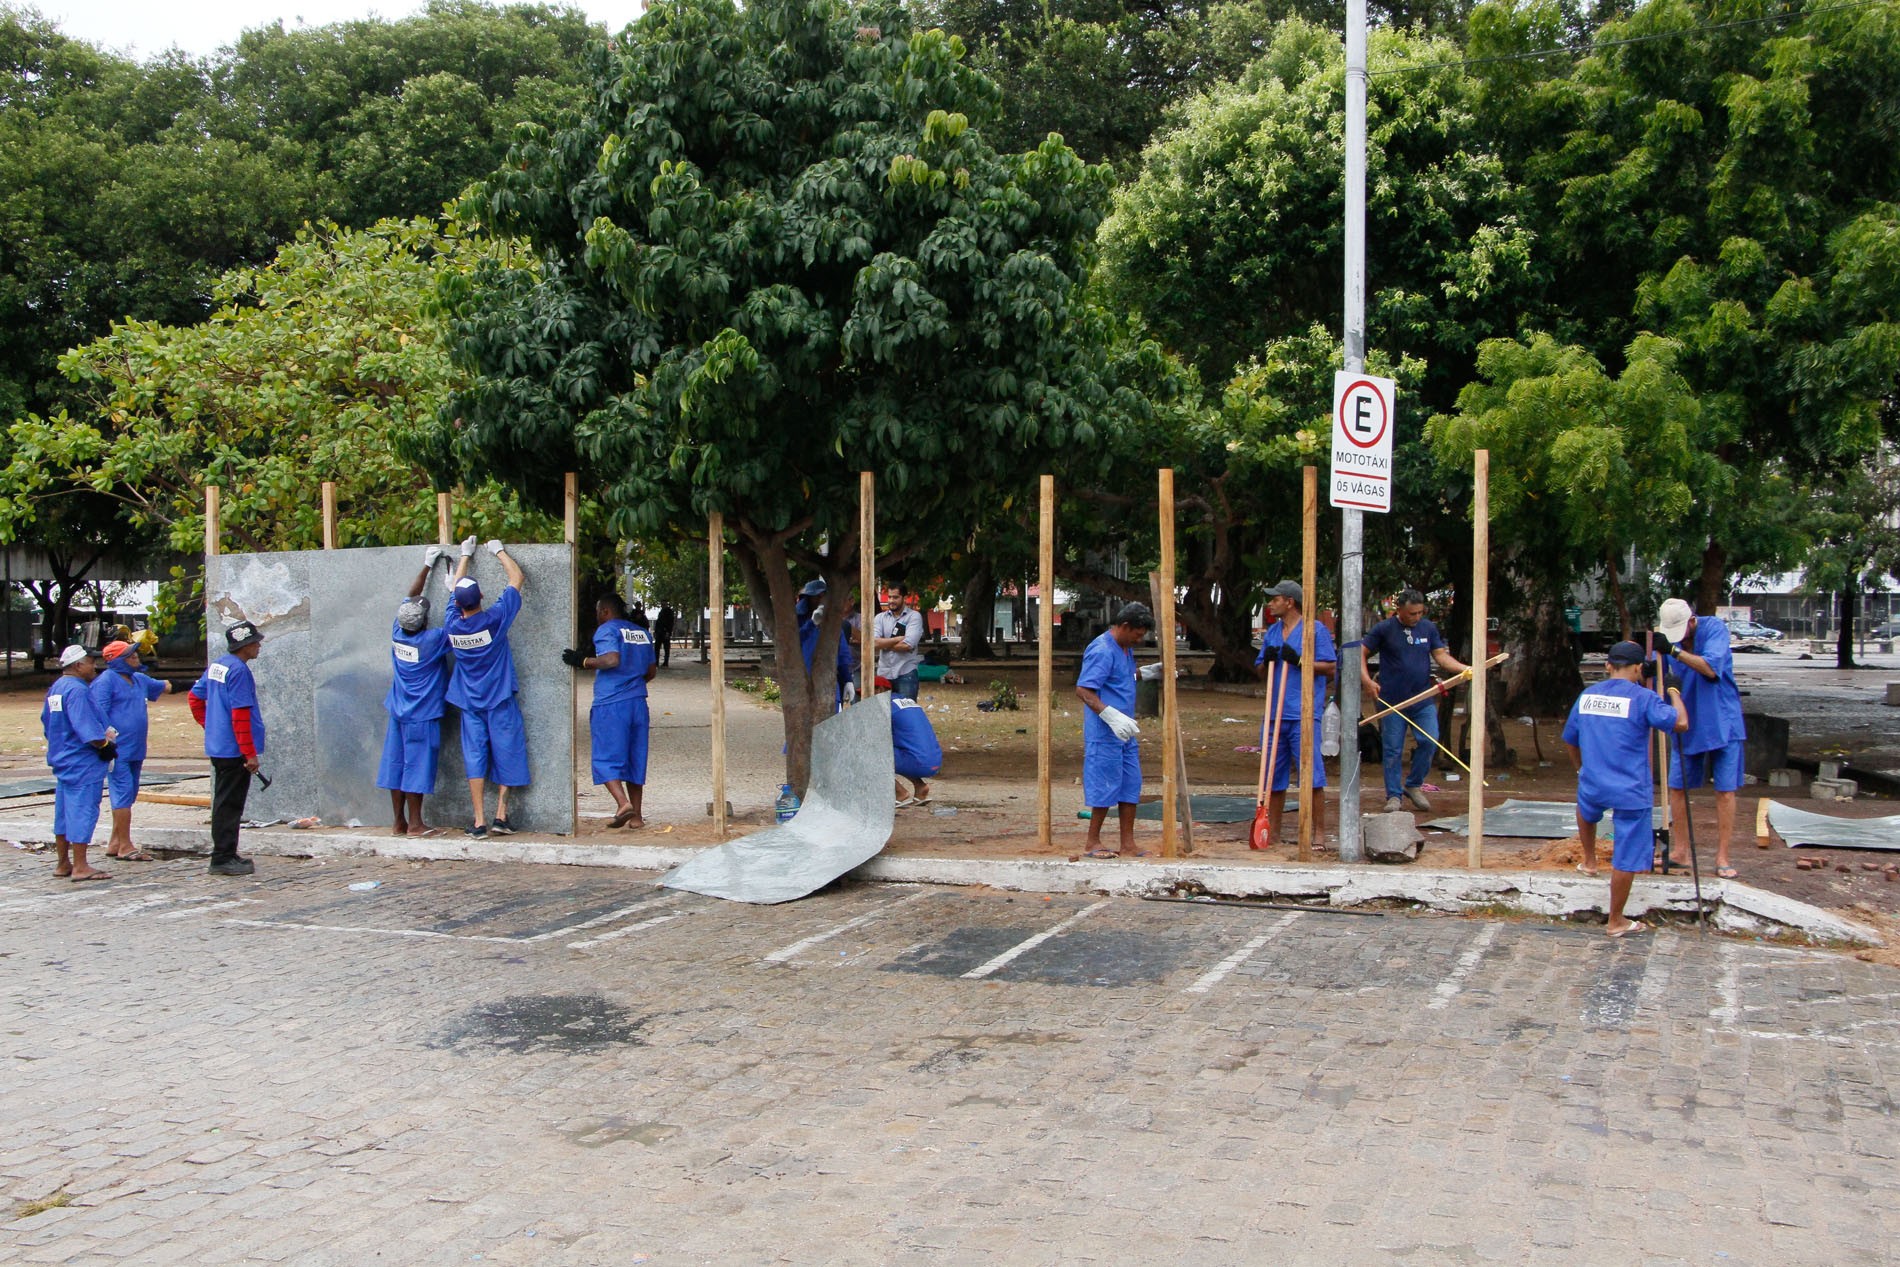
(1260, 836)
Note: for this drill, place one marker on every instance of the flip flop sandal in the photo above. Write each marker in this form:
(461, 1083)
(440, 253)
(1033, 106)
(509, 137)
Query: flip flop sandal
(1101, 853)
(1727, 873)
(137, 855)
(97, 875)
(1589, 871)
(624, 817)
(1633, 927)
(906, 803)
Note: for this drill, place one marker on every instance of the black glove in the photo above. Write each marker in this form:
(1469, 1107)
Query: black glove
(1290, 654)
(574, 659)
(1661, 644)
(107, 750)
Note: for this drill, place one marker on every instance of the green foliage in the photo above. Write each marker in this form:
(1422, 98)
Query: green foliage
(1002, 697)
(304, 373)
(765, 688)
(775, 250)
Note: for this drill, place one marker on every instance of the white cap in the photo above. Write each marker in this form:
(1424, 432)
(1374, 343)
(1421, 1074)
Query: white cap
(1672, 619)
(73, 655)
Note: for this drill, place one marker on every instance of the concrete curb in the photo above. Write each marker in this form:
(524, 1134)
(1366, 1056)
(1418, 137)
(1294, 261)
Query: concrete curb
(1738, 908)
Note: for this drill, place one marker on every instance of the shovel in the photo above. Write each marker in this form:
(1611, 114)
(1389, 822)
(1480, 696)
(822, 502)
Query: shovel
(1259, 837)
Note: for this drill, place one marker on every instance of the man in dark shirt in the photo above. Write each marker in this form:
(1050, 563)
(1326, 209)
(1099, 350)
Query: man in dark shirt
(1407, 645)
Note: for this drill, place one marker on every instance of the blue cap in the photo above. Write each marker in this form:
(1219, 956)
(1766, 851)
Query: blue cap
(813, 588)
(467, 592)
(1626, 653)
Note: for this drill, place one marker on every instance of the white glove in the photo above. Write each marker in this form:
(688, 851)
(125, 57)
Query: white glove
(850, 692)
(1149, 672)
(468, 545)
(495, 547)
(1121, 723)
(431, 556)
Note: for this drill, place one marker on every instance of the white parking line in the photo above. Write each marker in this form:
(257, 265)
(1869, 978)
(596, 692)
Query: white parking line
(358, 928)
(1024, 947)
(1447, 990)
(800, 947)
(650, 904)
(189, 911)
(1212, 977)
(623, 932)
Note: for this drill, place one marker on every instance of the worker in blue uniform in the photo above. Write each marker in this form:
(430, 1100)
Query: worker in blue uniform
(483, 686)
(124, 693)
(79, 749)
(418, 692)
(618, 723)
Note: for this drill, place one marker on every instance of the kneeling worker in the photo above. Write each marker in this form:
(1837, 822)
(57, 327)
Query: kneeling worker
(1111, 744)
(483, 686)
(419, 683)
(916, 753)
(618, 723)
(1608, 738)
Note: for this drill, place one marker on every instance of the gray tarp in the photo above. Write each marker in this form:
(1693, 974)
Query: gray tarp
(1528, 820)
(325, 667)
(845, 819)
(1802, 827)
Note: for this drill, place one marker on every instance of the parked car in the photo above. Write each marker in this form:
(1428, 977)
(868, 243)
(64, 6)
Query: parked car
(1749, 629)
(1886, 629)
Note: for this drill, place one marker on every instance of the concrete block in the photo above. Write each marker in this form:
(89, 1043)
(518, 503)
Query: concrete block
(1784, 777)
(1833, 789)
(1392, 838)
(1893, 693)
(1830, 770)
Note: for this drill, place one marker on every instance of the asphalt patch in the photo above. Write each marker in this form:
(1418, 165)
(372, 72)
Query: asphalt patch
(532, 1023)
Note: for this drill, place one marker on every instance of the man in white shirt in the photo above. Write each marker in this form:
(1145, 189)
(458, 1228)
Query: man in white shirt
(896, 637)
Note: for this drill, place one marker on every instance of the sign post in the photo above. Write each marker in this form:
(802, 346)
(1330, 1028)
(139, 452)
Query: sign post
(1362, 441)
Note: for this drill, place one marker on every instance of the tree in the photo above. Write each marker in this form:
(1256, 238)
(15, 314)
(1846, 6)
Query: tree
(305, 372)
(776, 249)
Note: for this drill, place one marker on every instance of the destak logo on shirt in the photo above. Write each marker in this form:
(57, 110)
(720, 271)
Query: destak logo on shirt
(635, 637)
(1604, 705)
(469, 642)
(56, 703)
(218, 672)
(406, 653)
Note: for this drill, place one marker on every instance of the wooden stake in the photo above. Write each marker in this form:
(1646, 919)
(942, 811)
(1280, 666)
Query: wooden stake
(329, 514)
(1186, 797)
(867, 582)
(211, 523)
(444, 524)
(1481, 645)
(1046, 665)
(716, 597)
(1309, 724)
(1164, 634)
(1763, 833)
(570, 524)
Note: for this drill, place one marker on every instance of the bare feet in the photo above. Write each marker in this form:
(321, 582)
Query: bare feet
(634, 824)
(63, 870)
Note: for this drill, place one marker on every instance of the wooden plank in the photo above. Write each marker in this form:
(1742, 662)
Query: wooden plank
(1045, 665)
(444, 525)
(1481, 646)
(211, 521)
(716, 596)
(329, 514)
(867, 582)
(1164, 634)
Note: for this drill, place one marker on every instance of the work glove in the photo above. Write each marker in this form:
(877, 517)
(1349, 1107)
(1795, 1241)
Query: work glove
(574, 659)
(1150, 672)
(1121, 723)
(468, 545)
(495, 547)
(1661, 644)
(107, 750)
(1290, 654)
(431, 556)
(850, 692)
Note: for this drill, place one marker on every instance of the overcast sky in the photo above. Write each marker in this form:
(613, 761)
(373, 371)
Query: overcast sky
(144, 28)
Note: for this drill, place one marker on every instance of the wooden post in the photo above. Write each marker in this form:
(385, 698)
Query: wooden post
(716, 598)
(329, 514)
(1046, 665)
(1164, 634)
(1309, 724)
(570, 533)
(867, 581)
(1480, 647)
(1185, 793)
(444, 524)
(211, 524)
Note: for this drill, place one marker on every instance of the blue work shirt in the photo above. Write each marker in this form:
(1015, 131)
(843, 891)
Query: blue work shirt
(1715, 708)
(484, 664)
(629, 681)
(226, 685)
(1611, 722)
(1108, 669)
(914, 746)
(808, 644)
(1323, 653)
(121, 694)
(421, 679)
(1405, 657)
(72, 722)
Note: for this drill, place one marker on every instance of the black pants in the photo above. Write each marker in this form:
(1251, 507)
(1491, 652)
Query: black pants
(230, 784)
(665, 648)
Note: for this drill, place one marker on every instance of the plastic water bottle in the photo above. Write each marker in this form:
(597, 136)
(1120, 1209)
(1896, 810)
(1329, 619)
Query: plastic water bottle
(787, 803)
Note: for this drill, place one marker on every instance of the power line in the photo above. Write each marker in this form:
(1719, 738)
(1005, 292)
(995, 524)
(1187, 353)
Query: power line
(1634, 39)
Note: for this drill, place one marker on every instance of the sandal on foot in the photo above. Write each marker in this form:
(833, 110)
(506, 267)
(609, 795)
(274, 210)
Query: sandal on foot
(1727, 873)
(137, 855)
(1589, 871)
(1634, 926)
(1101, 853)
(92, 875)
(624, 817)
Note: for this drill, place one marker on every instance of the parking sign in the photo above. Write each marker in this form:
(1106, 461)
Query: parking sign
(1363, 421)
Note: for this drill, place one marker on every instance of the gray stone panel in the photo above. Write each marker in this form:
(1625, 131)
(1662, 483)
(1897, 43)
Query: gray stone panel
(324, 670)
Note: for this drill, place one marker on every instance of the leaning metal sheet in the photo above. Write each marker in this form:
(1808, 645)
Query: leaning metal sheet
(324, 670)
(1803, 827)
(1526, 820)
(845, 819)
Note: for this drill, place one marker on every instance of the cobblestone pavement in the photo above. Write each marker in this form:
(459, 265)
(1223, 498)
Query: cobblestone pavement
(503, 1064)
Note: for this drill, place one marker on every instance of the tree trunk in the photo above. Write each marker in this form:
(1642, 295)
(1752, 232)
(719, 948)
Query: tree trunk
(1844, 640)
(979, 614)
(1541, 677)
(1711, 584)
(1616, 593)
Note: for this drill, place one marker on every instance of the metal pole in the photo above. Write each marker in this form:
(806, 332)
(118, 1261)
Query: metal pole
(1351, 522)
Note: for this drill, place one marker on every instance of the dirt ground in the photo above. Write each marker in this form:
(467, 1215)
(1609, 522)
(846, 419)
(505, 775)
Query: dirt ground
(984, 805)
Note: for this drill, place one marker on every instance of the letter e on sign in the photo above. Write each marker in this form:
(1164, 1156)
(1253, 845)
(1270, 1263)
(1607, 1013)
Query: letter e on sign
(1363, 421)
